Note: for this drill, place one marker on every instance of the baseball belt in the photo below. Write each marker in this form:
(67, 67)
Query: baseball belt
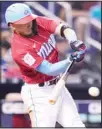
(51, 82)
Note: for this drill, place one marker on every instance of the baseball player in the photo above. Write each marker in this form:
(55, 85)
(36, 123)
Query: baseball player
(34, 50)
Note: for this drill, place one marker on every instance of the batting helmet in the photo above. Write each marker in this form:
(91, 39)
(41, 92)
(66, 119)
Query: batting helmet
(19, 13)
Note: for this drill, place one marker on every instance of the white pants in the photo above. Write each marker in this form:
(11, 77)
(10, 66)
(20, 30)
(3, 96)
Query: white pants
(45, 115)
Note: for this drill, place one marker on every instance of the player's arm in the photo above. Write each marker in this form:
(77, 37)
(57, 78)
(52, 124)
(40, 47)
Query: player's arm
(67, 32)
(55, 69)
(34, 61)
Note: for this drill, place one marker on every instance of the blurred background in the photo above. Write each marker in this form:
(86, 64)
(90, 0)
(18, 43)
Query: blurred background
(84, 82)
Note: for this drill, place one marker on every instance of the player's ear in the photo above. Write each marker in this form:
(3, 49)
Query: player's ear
(11, 25)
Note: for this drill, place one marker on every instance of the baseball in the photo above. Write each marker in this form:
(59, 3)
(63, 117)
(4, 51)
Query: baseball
(94, 91)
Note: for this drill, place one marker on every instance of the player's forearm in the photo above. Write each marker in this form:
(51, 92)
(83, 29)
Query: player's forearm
(53, 69)
(65, 31)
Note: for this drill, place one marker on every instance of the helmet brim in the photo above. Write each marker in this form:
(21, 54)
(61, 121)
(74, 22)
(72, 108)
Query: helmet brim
(26, 19)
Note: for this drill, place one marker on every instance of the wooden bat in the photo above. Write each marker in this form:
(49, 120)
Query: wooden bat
(57, 89)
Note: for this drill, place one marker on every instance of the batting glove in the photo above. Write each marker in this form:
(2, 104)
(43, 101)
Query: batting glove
(78, 56)
(78, 45)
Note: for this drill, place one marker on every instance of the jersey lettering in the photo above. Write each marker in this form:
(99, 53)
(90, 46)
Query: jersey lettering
(47, 48)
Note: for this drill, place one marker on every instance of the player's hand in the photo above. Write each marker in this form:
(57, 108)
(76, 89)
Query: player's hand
(78, 56)
(78, 45)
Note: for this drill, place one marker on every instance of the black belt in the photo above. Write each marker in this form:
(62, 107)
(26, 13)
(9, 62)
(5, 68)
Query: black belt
(49, 82)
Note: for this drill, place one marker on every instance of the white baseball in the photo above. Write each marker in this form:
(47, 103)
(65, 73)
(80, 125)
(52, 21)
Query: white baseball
(94, 91)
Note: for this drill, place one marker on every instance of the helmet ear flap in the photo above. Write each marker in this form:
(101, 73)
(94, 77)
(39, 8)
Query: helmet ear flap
(34, 27)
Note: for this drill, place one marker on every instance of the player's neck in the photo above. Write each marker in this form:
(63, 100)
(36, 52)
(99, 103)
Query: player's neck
(23, 35)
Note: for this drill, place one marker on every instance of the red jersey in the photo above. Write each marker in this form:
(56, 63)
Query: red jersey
(29, 53)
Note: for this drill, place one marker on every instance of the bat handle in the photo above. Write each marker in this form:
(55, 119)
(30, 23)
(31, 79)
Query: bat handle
(68, 68)
(71, 65)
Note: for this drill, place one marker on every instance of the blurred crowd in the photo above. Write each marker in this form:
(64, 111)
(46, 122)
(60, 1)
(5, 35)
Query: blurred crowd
(9, 69)
(81, 13)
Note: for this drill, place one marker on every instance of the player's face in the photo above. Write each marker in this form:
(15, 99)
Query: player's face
(24, 29)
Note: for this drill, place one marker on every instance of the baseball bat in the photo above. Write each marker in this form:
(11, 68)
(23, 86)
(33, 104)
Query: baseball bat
(57, 89)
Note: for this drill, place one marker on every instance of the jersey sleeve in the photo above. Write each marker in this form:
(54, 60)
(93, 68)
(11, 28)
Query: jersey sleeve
(47, 23)
(30, 59)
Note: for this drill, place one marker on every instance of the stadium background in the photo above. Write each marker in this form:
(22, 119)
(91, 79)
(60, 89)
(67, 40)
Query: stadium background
(84, 82)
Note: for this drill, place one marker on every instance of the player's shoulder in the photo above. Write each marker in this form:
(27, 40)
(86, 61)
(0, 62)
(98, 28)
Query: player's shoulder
(18, 53)
(18, 47)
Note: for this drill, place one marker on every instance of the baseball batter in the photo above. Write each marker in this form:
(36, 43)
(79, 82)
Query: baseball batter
(34, 50)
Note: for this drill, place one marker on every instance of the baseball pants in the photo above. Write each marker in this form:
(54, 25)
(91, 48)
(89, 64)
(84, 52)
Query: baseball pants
(46, 115)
